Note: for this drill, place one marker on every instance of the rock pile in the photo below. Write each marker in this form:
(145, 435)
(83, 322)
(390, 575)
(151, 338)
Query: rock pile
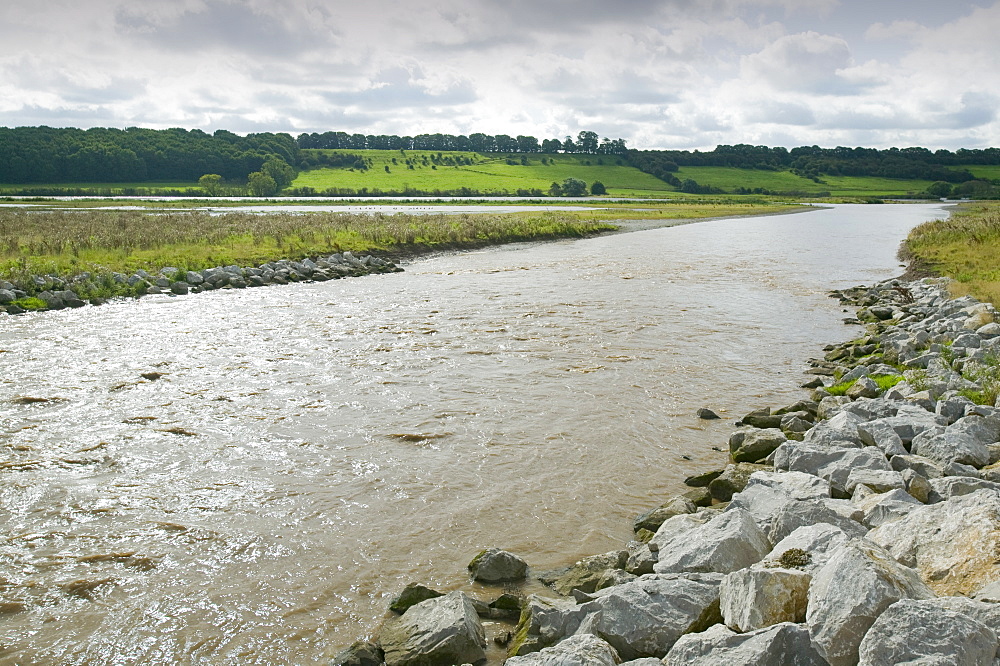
(56, 293)
(859, 527)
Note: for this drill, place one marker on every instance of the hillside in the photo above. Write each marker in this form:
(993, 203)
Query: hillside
(451, 171)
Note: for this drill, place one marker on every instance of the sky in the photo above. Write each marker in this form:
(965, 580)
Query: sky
(661, 74)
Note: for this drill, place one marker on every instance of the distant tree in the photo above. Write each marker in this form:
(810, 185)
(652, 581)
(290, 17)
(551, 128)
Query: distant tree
(279, 171)
(551, 146)
(939, 189)
(211, 183)
(587, 142)
(555, 190)
(597, 188)
(261, 185)
(573, 187)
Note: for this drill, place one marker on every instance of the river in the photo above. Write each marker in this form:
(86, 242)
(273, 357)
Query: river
(295, 455)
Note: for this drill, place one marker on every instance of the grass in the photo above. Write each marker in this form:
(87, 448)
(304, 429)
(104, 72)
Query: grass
(487, 174)
(728, 178)
(884, 383)
(106, 189)
(963, 247)
(72, 242)
(985, 172)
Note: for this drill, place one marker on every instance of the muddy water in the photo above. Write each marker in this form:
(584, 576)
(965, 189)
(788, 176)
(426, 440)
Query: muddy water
(247, 477)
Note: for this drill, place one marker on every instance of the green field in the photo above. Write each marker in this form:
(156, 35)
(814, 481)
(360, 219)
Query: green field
(990, 172)
(785, 182)
(488, 174)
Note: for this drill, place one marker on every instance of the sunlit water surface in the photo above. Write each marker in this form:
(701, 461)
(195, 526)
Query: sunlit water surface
(310, 449)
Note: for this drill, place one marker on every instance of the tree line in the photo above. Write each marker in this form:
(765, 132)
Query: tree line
(109, 155)
(814, 162)
(586, 142)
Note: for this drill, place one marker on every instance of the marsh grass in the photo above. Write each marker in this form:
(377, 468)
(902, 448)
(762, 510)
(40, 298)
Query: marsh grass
(884, 382)
(70, 242)
(963, 247)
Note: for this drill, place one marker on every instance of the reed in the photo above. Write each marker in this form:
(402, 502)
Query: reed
(68, 242)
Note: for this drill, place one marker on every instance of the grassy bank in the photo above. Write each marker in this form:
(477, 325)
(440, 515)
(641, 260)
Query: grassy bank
(69, 242)
(964, 247)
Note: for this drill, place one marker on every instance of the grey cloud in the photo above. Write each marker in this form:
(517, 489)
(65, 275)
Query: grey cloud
(394, 89)
(977, 109)
(780, 113)
(806, 62)
(222, 24)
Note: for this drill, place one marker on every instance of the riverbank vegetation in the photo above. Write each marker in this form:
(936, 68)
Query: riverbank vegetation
(69, 242)
(963, 247)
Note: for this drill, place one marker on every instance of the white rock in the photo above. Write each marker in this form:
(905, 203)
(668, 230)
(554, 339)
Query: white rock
(954, 486)
(579, 650)
(728, 542)
(881, 508)
(767, 492)
(797, 514)
(818, 541)
(786, 644)
(951, 447)
(445, 630)
(850, 591)
(831, 463)
(879, 480)
(760, 596)
(912, 631)
(989, 592)
(641, 618)
(953, 544)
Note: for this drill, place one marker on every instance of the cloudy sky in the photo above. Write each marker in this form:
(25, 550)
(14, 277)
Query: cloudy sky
(680, 74)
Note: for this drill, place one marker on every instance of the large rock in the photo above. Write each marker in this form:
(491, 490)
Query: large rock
(926, 632)
(642, 618)
(757, 445)
(760, 596)
(651, 520)
(786, 644)
(587, 574)
(728, 542)
(854, 587)
(445, 630)
(795, 515)
(950, 446)
(881, 508)
(766, 493)
(953, 486)
(828, 462)
(497, 566)
(362, 653)
(579, 650)
(953, 545)
(839, 431)
(733, 479)
(807, 548)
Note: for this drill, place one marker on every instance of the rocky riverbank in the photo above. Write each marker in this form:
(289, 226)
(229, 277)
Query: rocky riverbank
(859, 526)
(52, 292)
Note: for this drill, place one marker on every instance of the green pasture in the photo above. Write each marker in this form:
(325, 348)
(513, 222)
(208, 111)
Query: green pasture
(486, 174)
(986, 172)
(729, 178)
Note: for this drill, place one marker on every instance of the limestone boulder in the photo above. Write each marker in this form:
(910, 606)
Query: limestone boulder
(643, 618)
(579, 650)
(951, 446)
(761, 596)
(794, 515)
(828, 462)
(839, 431)
(651, 520)
(953, 486)
(807, 548)
(445, 630)
(879, 480)
(494, 565)
(733, 479)
(757, 445)
(766, 493)
(587, 574)
(912, 631)
(856, 585)
(953, 545)
(728, 542)
(786, 643)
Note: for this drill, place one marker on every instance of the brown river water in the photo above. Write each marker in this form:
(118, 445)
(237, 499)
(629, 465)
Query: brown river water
(308, 450)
